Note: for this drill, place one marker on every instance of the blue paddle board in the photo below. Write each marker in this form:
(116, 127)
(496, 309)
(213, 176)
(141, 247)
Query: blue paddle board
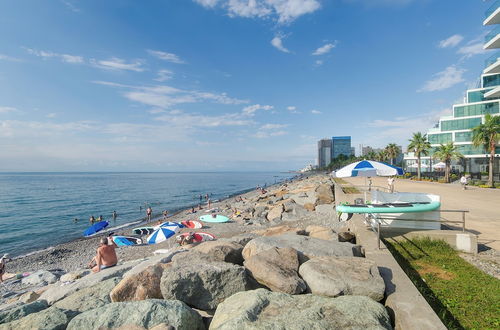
(218, 218)
(97, 227)
(126, 240)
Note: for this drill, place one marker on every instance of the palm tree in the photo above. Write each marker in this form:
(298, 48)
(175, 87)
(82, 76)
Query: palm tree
(420, 146)
(381, 156)
(392, 151)
(445, 153)
(371, 155)
(488, 135)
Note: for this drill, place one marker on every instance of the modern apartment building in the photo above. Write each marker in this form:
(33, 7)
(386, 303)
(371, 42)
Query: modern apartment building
(478, 102)
(341, 145)
(324, 152)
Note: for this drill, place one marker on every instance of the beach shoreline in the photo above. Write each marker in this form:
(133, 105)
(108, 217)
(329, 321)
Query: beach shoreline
(76, 253)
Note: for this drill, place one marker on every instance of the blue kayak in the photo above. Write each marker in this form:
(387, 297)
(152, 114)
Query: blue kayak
(126, 240)
(390, 207)
(96, 227)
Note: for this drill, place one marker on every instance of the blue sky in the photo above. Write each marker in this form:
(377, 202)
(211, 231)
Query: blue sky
(213, 85)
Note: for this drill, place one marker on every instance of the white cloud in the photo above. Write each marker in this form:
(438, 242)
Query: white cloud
(9, 58)
(70, 6)
(452, 41)
(278, 44)
(51, 115)
(162, 96)
(74, 59)
(324, 49)
(7, 109)
(251, 109)
(118, 64)
(207, 3)
(189, 121)
(170, 57)
(373, 3)
(285, 11)
(444, 79)
(291, 108)
(164, 75)
(316, 112)
(319, 62)
(472, 49)
(272, 126)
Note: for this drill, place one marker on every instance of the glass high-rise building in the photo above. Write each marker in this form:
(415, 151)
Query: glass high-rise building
(478, 102)
(341, 145)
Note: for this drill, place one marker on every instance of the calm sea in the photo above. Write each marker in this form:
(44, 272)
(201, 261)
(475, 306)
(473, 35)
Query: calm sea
(37, 210)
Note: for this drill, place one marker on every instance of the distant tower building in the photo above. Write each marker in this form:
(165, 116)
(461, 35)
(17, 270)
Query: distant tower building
(353, 151)
(324, 152)
(341, 145)
(366, 150)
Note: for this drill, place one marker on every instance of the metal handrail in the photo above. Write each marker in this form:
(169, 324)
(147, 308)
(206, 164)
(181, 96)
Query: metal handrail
(440, 221)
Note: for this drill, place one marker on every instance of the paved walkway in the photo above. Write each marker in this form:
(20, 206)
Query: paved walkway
(483, 204)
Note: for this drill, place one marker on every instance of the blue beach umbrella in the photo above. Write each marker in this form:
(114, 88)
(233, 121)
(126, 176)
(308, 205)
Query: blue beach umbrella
(162, 234)
(172, 224)
(367, 168)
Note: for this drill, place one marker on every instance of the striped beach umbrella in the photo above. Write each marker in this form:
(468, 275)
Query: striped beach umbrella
(367, 168)
(162, 234)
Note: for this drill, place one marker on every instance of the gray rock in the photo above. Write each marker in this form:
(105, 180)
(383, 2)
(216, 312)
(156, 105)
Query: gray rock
(262, 309)
(277, 269)
(88, 298)
(307, 247)
(275, 213)
(146, 314)
(221, 250)
(22, 311)
(203, 285)
(325, 194)
(153, 260)
(57, 291)
(305, 198)
(336, 276)
(241, 239)
(73, 276)
(260, 211)
(40, 277)
(51, 318)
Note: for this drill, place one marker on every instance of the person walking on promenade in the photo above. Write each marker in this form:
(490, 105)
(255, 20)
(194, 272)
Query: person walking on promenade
(149, 211)
(463, 182)
(3, 262)
(106, 255)
(390, 184)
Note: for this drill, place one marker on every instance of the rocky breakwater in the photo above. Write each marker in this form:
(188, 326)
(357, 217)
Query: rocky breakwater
(293, 275)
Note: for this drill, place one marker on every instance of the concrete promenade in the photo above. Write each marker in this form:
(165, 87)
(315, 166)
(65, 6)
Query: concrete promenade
(483, 205)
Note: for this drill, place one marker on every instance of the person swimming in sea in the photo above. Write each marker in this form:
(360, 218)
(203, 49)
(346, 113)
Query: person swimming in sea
(114, 215)
(92, 220)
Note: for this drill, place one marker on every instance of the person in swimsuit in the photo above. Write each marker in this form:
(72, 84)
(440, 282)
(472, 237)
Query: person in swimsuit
(92, 220)
(114, 215)
(149, 211)
(106, 255)
(3, 262)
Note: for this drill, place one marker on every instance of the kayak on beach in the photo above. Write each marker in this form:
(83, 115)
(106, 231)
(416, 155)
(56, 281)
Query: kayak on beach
(198, 237)
(192, 224)
(97, 227)
(410, 207)
(211, 218)
(126, 240)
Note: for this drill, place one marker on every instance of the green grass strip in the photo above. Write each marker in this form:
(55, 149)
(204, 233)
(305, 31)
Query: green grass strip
(463, 296)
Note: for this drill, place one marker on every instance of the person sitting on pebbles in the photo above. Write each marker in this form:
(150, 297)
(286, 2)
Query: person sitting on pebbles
(185, 239)
(106, 255)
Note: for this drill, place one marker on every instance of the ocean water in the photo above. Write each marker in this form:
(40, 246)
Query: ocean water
(37, 210)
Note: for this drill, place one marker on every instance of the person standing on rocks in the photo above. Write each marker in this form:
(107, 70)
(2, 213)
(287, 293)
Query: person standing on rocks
(3, 262)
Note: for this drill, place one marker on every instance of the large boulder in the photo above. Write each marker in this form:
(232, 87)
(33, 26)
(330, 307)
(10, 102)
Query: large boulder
(275, 213)
(321, 232)
(325, 195)
(278, 230)
(51, 318)
(336, 276)
(58, 291)
(241, 239)
(262, 309)
(28, 297)
(303, 198)
(203, 285)
(146, 314)
(221, 250)
(40, 277)
(22, 310)
(277, 269)
(307, 247)
(88, 298)
(141, 286)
